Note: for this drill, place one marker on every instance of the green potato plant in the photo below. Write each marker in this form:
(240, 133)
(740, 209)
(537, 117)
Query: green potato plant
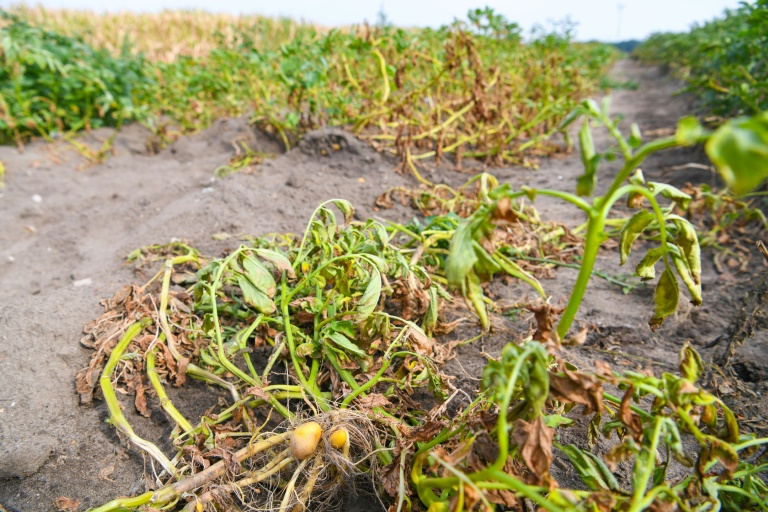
(723, 60)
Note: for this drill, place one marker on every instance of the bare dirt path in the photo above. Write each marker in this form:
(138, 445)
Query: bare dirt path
(65, 233)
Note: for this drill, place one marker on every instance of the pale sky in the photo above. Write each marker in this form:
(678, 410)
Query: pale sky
(596, 19)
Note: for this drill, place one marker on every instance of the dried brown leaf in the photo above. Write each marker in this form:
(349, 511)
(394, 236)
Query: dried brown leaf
(630, 420)
(577, 388)
(545, 323)
(373, 400)
(64, 504)
(503, 213)
(140, 400)
(425, 432)
(534, 440)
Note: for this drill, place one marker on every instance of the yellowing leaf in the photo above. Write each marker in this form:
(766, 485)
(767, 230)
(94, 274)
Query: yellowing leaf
(255, 297)
(259, 275)
(346, 208)
(665, 299)
(280, 262)
(645, 269)
(370, 298)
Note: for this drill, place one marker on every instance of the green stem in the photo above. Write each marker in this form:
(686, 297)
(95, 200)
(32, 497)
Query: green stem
(591, 247)
(165, 402)
(115, 412)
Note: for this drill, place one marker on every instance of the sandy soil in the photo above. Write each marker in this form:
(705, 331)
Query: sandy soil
(66, 230)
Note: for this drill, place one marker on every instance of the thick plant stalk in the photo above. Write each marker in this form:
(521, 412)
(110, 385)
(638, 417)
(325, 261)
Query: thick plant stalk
(165, 402)
(116, 414)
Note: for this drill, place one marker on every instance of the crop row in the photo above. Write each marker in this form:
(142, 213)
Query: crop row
(474, 88)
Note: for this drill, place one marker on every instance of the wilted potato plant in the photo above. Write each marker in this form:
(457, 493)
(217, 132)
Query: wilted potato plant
(348, 320)
(737, 148)
(316, 302)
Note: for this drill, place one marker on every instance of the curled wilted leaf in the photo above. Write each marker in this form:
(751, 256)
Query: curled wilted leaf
(280, 262)
(370, 299)
(254, 296)
(690, 363)
(689, 131)
(534, 441)
(258, 274)
(635, 199)
(724, 453)
(688, 242)
(346, 209)
(514, 270)
(593, 471)
(674, 194)
(665, 299)
(431, 315)
(632, 229)
(474, 294)
(631, 421)
(686, 275)
(545, 323)
(344, 343)
(645, 269)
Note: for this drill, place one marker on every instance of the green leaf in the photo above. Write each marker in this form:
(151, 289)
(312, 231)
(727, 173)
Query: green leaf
(672, 193)
(587, 181)
(632, 229)
(572, 116)
(461, 257)
(665, 299)
(370, 298)
(259, 275)
(280, 262)
(556, 420)
(635, 136)
(645, 269)
(689, 131)
(344, 343)
(255, 297)
(593, 471)
(739, 150)
(485, 266)
(514, 270)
